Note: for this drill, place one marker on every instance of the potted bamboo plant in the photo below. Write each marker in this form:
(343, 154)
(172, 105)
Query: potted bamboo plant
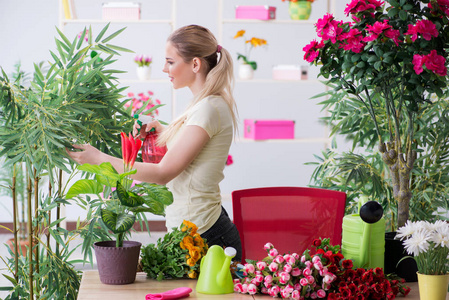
(72, 98)
(119, 203)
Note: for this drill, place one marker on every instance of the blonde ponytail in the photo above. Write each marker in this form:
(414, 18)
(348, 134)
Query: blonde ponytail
(196, 41)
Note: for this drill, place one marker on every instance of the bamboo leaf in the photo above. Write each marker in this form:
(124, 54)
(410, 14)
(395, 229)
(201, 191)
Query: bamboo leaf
(102, 32)
(112, 35)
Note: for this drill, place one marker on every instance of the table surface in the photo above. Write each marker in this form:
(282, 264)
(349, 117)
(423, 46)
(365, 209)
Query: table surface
(92, 288)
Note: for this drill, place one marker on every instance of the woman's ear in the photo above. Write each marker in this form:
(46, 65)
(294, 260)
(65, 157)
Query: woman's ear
(196, 65)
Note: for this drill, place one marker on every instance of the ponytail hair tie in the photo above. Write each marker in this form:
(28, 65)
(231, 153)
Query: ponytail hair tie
(219, 48)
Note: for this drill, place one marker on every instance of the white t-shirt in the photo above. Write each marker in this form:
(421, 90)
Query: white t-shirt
(196, 190)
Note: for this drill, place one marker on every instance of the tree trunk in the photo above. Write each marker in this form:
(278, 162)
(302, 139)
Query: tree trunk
(400, 171)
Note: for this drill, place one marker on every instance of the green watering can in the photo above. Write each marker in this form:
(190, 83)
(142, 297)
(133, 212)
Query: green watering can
(363, 237)
(215, 271)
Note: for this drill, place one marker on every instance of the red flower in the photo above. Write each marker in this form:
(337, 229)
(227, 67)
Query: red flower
(130, 148)
(316, 242)
(436, 63)
(311, 51)
(347, 264)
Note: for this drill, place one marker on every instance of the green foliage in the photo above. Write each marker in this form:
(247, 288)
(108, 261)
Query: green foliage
(118, 209)
(75, 100)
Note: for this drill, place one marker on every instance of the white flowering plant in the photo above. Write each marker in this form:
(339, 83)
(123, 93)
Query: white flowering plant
(428, 243)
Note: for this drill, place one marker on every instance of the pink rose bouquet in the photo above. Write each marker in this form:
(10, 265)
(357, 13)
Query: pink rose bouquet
(319, 274)
(143, 103)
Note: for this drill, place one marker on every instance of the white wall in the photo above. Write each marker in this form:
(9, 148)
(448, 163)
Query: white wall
(28, 31)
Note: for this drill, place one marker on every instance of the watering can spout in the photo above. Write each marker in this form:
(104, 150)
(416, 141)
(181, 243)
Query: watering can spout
(225, 269)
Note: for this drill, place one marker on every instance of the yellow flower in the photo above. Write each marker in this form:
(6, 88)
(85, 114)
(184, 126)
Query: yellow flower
(186, 225)
(255, 42)
(192, 274)
(239, 33)
(191, 262)
(181, 244)
(195, 253)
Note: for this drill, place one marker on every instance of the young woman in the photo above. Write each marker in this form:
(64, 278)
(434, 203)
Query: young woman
(198, 141)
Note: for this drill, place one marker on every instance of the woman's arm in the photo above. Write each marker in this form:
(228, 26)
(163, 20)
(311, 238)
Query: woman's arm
(189, 144)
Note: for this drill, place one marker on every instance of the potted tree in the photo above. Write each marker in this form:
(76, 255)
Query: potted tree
(386, 61)
(120, 202)
(391, 62)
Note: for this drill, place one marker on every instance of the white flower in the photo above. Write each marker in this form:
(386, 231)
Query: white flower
(440, 235)
(407, 230)
(417, 243)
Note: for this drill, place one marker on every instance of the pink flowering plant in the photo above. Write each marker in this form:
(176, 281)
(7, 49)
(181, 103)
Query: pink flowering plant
(319, 274)
(389, 60)
(143, 103)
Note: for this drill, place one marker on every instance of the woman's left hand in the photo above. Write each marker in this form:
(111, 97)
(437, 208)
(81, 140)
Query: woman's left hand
(89, 154)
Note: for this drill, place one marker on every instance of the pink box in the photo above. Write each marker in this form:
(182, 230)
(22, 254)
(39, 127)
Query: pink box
(259, 12)
(121, 11)
(269, 129)
(287, 72)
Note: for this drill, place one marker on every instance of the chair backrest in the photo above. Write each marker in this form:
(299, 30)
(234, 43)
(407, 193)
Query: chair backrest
(288, 217)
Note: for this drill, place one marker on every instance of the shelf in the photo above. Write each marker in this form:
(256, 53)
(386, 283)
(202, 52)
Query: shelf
(98, 21)
(299, 22)
(144, 81)
(295, 140)
(311, 81)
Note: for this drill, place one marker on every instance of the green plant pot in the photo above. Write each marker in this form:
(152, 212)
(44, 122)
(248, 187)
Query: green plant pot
(300, 10)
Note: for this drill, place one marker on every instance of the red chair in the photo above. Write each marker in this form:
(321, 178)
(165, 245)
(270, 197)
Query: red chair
(288, 217)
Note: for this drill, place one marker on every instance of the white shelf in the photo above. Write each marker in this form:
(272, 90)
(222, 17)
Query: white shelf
(144, 81)
(99, 21)
(311, 81)
(298, 22)
(295, 140)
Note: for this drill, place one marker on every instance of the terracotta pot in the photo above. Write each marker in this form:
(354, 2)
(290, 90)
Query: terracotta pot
(23, 245)
(117, 265)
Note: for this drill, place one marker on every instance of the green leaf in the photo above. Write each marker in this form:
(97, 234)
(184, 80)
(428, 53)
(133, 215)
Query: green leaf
(84, 186)
(117, 223)
(113, 35)
(102, 32)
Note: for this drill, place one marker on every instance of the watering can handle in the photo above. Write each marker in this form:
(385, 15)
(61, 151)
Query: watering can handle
(366, 237)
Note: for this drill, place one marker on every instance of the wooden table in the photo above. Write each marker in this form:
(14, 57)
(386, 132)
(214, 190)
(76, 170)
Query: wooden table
(92, 288)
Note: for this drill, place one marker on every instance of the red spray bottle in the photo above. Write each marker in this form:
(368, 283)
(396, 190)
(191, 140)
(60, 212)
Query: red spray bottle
(151, 152)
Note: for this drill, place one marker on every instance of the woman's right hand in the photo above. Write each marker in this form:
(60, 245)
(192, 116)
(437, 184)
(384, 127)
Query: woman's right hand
(146, 128)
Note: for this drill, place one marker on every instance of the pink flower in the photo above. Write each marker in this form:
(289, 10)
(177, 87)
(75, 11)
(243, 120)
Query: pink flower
(295, 295)
(303, 281)
(285, 294)
(297, 287)
(273, 267)
(273, 252)
(284, 278)
(310, 279)
(443, 6)
(244, 288)
(307, 272)
(436, 63)
(268, 246)
(268, 279)
(254, 281)
(393, 34)
(308, 264)
(321, 293)
(311, 50)
(273, 291)
(303, 259)
(296, 272)
(261, 265)
(249, 268)
(238, 288)
(328, 29)
(236, 280)
(329, 278)
(418, 62)
(316, 259)
(318, 265)
(287, 268)
(295, 256)
(252, 289)
(229, 160)
(279, 259)
(426, 28)
(259, 278)
(375, 30)
(313, 295)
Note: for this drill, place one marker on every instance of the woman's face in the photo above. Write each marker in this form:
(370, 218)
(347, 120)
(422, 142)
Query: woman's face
(180, 73)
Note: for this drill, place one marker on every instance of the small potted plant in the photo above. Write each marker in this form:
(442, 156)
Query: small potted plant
(247, 68)
(143, 66)
(120, 203)
(429, 244)
(299, 9)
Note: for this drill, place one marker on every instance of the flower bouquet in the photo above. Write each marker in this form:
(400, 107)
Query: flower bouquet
(322, 274)
(429, 243)
(177, 255)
